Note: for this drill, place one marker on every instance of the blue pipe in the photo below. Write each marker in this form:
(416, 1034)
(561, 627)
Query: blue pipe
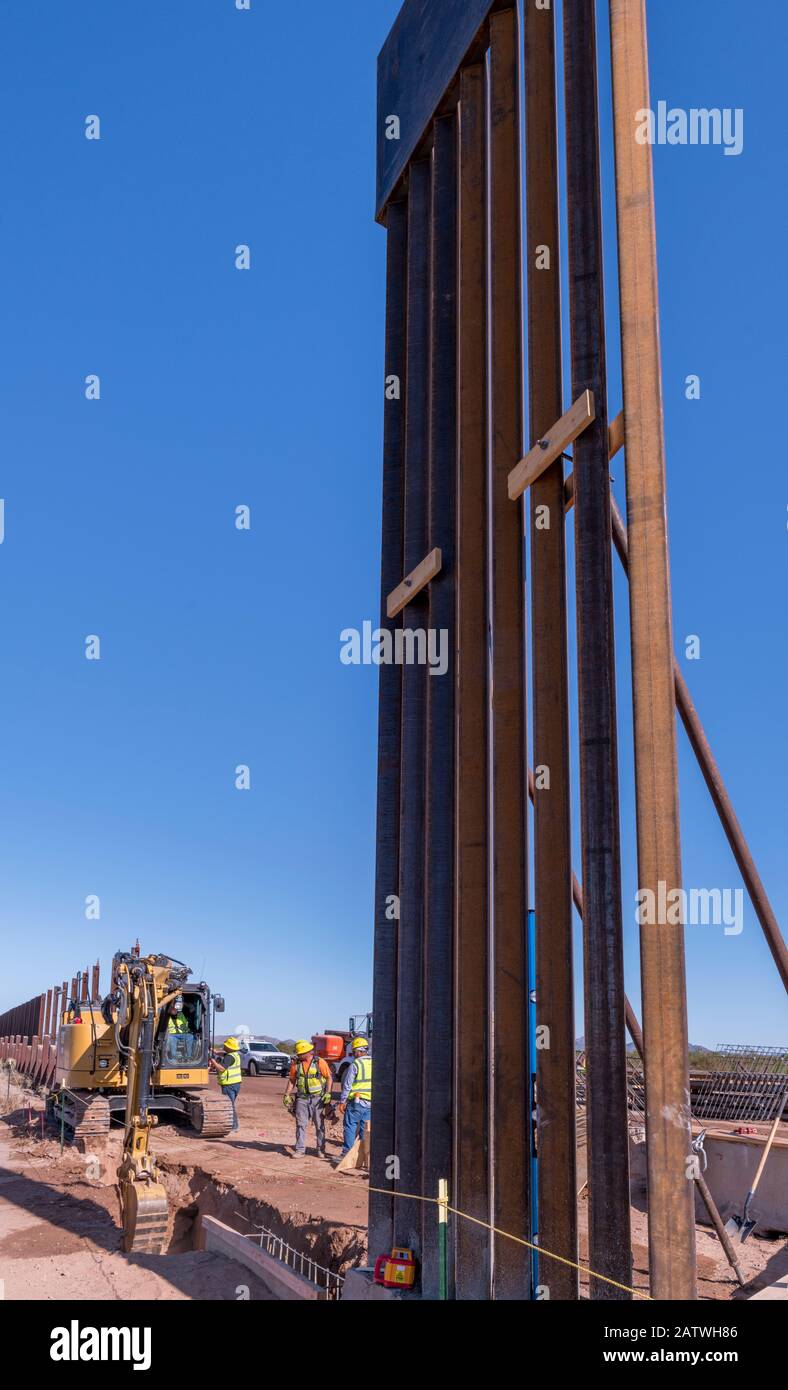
(532, 1087)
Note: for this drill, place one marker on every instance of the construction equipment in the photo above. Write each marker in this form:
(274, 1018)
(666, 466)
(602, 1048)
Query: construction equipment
(397, 1270)
(141, 996)
(92, 1070)
(744, 1225)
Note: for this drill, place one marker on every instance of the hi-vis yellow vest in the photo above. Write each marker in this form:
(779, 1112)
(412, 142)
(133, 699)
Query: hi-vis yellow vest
(362, 1086)
(231, 1076)
(178, 1024)
(311, 1083)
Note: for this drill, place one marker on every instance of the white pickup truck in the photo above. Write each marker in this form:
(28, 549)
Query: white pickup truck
(260, 1058)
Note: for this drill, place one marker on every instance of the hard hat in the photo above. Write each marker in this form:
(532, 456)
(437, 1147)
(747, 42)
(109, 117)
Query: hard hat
(302, 1047)
(231, 1044)
(359, 1043)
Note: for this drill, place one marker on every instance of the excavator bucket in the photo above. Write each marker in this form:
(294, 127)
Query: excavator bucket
(145, 1215)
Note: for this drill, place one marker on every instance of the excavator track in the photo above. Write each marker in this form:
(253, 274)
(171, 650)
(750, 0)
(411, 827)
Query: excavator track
(85, 1116)
(211, 1114)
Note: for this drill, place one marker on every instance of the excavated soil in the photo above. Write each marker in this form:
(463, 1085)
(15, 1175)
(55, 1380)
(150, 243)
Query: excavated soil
(59, 1211)
(59, 1214)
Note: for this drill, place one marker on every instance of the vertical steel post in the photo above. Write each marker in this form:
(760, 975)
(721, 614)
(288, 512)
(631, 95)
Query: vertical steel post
(437, 1045)
(381, 1218)
(608, 1141)
(671, 1211)
(471, 1031)
(550, 675)
(511, 1151)
(410, 992)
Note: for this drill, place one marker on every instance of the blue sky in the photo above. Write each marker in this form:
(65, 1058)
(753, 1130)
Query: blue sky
(220, 388)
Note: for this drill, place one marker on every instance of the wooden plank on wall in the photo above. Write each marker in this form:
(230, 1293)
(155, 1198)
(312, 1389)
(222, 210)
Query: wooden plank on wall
(414, 582)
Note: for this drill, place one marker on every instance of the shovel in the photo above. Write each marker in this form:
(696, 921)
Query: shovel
(742, 1224)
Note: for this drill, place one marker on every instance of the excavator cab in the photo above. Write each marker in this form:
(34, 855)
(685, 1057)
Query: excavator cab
(181, 1040)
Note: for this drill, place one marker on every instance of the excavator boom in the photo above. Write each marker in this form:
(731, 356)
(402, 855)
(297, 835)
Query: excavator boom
(141, 990)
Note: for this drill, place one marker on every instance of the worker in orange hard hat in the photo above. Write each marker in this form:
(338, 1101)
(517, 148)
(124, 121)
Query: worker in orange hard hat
(310, 1082)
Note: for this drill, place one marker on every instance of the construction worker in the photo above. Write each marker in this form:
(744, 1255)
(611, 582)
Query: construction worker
(229, 1069)
(355, 1102)
(310, 1081)
(177, 1021)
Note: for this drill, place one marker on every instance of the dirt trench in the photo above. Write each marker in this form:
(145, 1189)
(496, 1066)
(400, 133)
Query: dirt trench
(194, 1193)
(57, 1204)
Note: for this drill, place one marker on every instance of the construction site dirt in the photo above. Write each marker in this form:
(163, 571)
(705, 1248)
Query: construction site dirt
(59, 1217)
(59, 1213)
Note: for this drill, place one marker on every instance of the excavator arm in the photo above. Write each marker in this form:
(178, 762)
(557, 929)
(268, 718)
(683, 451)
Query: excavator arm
(143, 1199)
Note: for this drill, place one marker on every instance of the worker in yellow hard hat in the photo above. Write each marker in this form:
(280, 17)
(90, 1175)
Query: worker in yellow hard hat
(229, 1068)
(310, 1082)
(355, 1102)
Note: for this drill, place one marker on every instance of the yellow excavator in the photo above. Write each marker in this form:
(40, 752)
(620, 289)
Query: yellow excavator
(143, 1049)
(91, 1078)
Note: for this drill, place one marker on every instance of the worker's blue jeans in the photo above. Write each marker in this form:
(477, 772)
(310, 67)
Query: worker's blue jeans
(357, 1117)
(232, 1093)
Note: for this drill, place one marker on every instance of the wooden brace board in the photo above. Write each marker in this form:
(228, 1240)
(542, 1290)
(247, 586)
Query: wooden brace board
(413, 584)
(548, 449)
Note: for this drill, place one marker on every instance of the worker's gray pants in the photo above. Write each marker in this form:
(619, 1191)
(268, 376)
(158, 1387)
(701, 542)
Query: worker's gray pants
(310, 1108)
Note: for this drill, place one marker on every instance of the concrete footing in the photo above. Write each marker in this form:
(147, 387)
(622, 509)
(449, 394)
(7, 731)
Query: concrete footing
(283, 1282)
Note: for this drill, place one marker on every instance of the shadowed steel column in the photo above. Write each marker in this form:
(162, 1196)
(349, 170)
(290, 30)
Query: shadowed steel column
(437, 1046)
(409, 1099)
(555, 1004)
(511, 1099)
(608, 1140)
(671, 1213)
(381, 1227)
(471, 1037)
